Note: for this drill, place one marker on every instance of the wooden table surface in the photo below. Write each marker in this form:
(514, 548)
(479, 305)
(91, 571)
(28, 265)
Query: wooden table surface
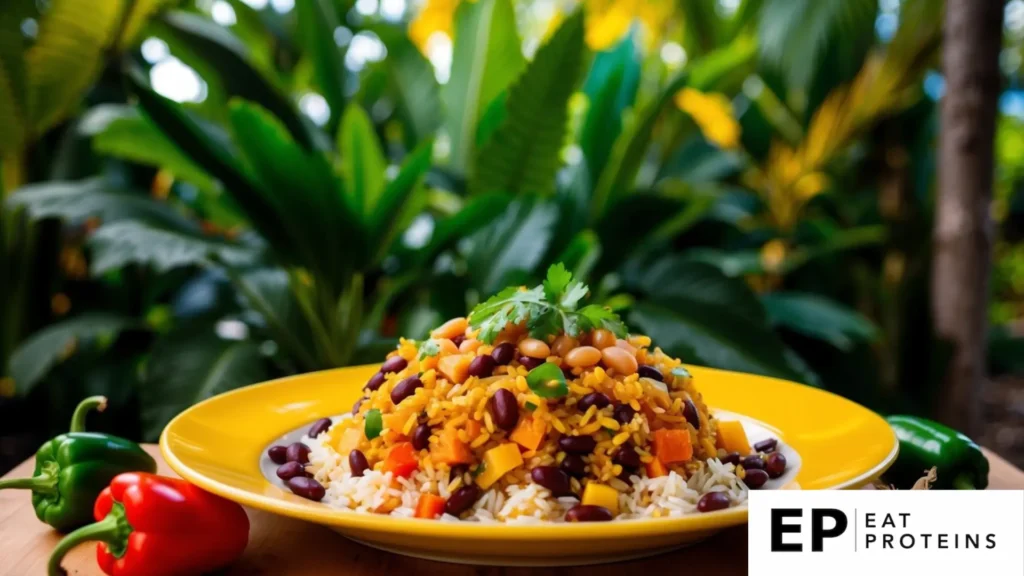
(279, 545)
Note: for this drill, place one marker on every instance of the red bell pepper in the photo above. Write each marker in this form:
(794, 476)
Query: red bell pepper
(157, 526)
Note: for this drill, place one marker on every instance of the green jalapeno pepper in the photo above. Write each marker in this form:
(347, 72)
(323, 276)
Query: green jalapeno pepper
(960, 464)
(73, 468)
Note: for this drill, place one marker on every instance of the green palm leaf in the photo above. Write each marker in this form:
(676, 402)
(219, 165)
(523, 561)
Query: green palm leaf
(363, 162)
(524, 153)
(820, 318)
(317, 20)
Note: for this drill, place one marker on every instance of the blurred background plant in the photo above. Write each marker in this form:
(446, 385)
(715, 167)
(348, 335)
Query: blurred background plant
(202, 194)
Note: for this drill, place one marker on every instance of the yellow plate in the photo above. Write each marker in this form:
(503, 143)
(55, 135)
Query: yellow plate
(218, 445)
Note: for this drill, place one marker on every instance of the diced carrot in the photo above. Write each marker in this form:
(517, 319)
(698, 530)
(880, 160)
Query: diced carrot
(655, 468)
(455, 367)
(672, 446)
(473, 428)
(529, 432)
(349, 440)
(732, 437)
(401, 460)
(450, 450)
(430, 506)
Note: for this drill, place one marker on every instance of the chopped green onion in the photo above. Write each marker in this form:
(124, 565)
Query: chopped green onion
(429, 348)
(547, 381)
(680, 372)
(374, 424)
(530, 406)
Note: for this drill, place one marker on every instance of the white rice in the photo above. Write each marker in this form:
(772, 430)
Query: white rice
(666, 496)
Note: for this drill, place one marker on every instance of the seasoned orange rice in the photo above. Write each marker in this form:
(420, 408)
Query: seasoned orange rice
(449, 429)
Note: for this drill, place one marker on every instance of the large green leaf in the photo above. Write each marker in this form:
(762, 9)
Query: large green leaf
(317, 21)
(695, 312)
(630, 148)
(66, 56)
(611, 86)
(328, 235)
(119, 244)
(820, 318)
(524, 153)
(363, 162)
(477, 213)
(214, 51)
(509, 248)
(76, 201)
(135, 21)
(487, 57)
(121, 131)
(13, 93)
(392, 210)
(191, 365)
(419, 94)
(38, 354)
(629, 225)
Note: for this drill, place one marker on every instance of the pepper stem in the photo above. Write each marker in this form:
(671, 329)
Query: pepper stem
(112, 530)
(964, 482)
(84, 407)
(45, 482)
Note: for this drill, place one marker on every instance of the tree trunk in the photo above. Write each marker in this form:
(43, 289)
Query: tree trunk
(963, 228)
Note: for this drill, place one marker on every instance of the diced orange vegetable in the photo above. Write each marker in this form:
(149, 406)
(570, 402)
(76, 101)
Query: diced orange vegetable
(473, 428)
(672, 445)
(429, 506)
(450, 450)
(732, 437)
(396, 420)
(498, 461)
(349, 440)
(655, 468)
(455, 367)
(529, 432)
(601, 495)
(401, 460)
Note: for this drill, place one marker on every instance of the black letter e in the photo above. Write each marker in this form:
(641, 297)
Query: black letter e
(779, 528)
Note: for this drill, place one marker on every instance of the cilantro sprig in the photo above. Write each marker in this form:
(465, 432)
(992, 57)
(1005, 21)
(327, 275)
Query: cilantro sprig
(551, 308)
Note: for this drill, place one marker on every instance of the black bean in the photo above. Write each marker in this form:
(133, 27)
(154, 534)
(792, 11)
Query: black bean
(307, 488)
(574, 465)
(577, 444)
(278, 454)
(627, 457)
(650, 372)
(731, 458)
(587, 513)
(567, 372)
(290, 470)
(775, 466)
(754, 479)
(461, 500)
(357, 463)
(713, 501)
(690, 413)
(405, 388)
(482, 366)
(375, 381)
(298, 452)
(394, 364)
(530, 363)
(623, 413)
(553, 479)
(504, 409)
(752, 462)
(421, 437)
(504, 353)
(766, 445)
(319, 427)
(355, 407)
(593, 399)
(457, 471)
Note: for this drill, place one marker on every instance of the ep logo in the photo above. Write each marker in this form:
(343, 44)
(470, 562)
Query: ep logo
(823, 523)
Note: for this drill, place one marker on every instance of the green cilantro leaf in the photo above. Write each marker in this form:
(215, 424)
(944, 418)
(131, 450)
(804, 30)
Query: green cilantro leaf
(557, 281)
(428, 348)
(600, 317)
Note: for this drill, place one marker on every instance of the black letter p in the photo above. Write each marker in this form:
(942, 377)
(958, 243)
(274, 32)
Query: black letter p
(818, 532)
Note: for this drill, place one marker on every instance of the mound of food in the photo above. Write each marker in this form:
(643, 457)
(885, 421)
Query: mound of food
(534, 408)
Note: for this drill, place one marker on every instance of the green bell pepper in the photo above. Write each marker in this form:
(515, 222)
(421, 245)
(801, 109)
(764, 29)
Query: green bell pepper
(960, 464)
(73, 468)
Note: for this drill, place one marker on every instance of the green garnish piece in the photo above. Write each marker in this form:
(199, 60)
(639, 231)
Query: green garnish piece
(680, 372)
(547, 381)
(478, 470)
(609, 431)
(428, 348)
(374, 424)
(551, 308)
(530, 406)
